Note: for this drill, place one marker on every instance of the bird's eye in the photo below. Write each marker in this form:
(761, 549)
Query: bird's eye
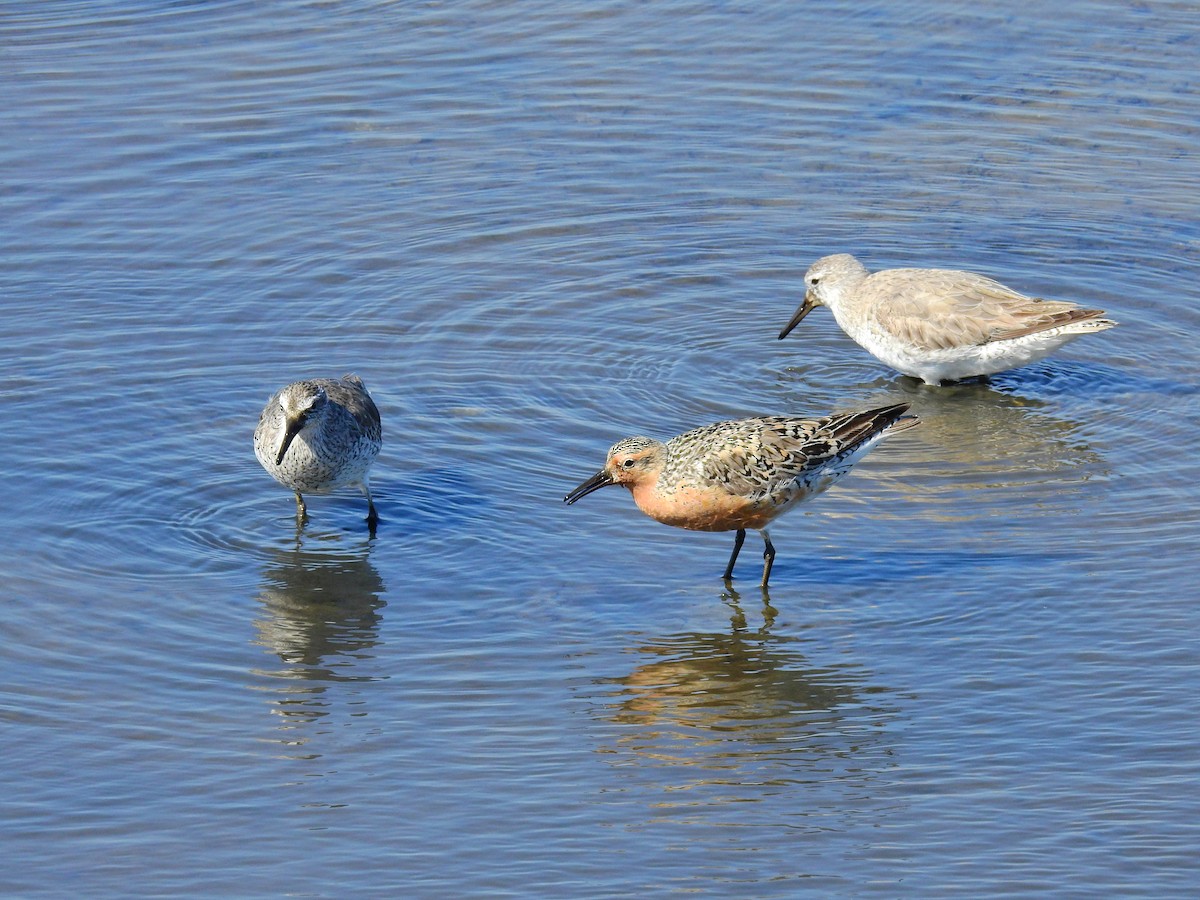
(628, 464)
(814, 281)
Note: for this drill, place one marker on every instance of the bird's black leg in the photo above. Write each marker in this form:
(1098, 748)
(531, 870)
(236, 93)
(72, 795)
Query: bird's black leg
(768, 557)
(301, 510)
(737, 547)
(372, 513)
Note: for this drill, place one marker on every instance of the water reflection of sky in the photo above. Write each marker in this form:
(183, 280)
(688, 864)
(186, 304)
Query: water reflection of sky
(534, 229)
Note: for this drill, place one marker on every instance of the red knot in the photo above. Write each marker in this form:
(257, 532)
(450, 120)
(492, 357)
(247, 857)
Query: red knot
(941, 325)
(319, 435)
(743, 473)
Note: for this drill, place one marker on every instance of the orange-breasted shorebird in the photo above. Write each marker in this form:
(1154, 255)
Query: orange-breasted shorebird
(940, 325)
(319, 435)
(744, 473)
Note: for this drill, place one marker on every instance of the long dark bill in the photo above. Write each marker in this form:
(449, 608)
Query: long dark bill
(805, 308)
(597, 481)
(293, 428)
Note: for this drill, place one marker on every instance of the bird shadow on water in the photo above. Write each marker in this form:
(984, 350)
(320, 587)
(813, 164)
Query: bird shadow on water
(321, 610)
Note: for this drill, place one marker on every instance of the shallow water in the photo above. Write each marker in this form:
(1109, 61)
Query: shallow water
(534, 229)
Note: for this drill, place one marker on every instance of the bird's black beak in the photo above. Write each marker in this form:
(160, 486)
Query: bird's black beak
(293, 429)
(805, 308)
(597, 481)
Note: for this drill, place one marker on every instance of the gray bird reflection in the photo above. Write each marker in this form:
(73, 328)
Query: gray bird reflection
(321, 608)
(980, 432)
(722, 718)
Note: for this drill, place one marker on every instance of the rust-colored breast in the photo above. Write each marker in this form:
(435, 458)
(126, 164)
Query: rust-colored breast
(701, 509)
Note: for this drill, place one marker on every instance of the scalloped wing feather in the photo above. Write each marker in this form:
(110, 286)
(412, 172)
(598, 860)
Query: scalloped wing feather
(760, 460)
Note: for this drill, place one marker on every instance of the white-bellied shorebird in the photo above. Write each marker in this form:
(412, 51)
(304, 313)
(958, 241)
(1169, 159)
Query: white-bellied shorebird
(318, 435)
(940, 325)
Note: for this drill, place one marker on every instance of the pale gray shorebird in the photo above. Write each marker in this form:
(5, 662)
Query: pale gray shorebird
(941, 325)
(744, 473)
(318, 435)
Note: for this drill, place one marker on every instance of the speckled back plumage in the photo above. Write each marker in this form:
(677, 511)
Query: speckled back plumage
(774, 459)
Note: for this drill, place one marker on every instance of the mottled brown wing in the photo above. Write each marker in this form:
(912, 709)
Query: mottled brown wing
(751, 457)
(765, 457)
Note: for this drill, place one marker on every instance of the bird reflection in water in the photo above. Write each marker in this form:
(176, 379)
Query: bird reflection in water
(743, 715)
(985, 427)
(981, 441)
(321, 616)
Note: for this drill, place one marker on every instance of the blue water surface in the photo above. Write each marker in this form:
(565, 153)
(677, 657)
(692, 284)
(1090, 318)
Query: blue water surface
(534, 228)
